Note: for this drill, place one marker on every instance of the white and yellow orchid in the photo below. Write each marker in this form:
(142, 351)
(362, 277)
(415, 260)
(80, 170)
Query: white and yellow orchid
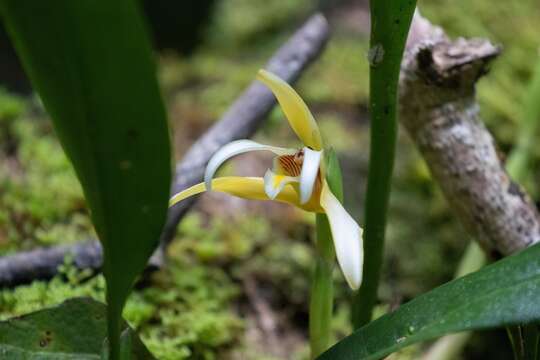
(297, 178)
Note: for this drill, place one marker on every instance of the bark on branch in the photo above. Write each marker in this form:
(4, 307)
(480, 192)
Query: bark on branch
(439, 110)
(240, 121)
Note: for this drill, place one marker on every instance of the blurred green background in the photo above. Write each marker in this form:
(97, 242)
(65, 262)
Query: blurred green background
(236, 286)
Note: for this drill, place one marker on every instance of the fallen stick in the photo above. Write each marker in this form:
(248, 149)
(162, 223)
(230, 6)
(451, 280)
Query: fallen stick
(240, 121)
(439, 111)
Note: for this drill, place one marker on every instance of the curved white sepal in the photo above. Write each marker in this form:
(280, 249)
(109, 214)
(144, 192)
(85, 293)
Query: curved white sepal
(308, 175)
(235, 148)
(347, 237)
(273, 184)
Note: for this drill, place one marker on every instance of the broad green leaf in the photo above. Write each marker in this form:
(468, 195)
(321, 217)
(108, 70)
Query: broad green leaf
(91, 63)
(75, 329)
(504, 293)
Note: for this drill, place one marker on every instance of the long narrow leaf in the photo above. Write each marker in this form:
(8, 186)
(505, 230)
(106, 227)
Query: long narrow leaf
(504, 293)
(91, 63)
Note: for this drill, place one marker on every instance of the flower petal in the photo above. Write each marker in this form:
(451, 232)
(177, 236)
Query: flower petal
(235, 148)
(274, 183)
(347, 237)
(245, 187)
(308, 176)
(295, 109)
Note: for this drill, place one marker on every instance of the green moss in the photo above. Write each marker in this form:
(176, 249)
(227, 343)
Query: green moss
(192, 316)
(70, 283)
(185, 314)
(41, 194)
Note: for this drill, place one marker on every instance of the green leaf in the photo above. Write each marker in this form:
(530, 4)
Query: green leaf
(504, 293)
(91, 63)
(75, 329)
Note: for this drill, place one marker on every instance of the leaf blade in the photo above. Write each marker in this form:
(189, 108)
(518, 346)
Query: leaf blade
(75, 329)
(91, 62)
(503, 293)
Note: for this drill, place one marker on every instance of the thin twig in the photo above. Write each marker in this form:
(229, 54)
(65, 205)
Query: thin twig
(240, 121)
(438, 108)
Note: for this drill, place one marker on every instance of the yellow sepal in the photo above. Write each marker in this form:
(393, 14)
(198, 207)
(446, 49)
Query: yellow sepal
(295, 109)
(251, 188)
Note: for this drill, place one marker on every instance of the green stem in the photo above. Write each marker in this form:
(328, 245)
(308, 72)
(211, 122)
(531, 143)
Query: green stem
(473, 260)
(389, 28)
(126, 345)
(524, 340)
(113, 326)
(531, 337)
(322, 291)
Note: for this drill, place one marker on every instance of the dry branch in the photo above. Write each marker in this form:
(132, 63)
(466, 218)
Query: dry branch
(438, 108)
(240, 121)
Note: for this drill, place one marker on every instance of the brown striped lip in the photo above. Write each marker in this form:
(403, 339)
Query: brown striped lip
(292, 166)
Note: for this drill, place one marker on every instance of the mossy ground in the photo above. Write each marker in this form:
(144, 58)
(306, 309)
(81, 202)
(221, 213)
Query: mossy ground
(234, 262)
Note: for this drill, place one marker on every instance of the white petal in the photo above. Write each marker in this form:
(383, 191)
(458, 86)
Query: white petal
(308, 175)
(235, 148)
(347, 237)
(273, 186)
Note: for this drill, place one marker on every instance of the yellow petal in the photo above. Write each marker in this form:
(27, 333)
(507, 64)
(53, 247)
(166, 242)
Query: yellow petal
(245, 187)
(347, 236)
(295, 110)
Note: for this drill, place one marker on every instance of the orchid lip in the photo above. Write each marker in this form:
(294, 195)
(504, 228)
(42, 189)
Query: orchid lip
(271, 190)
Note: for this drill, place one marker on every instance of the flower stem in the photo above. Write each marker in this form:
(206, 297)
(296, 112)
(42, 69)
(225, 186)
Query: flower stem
(322, 290)
(390, 22)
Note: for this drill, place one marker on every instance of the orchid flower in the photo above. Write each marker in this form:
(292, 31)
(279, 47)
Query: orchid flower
(297, 177)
